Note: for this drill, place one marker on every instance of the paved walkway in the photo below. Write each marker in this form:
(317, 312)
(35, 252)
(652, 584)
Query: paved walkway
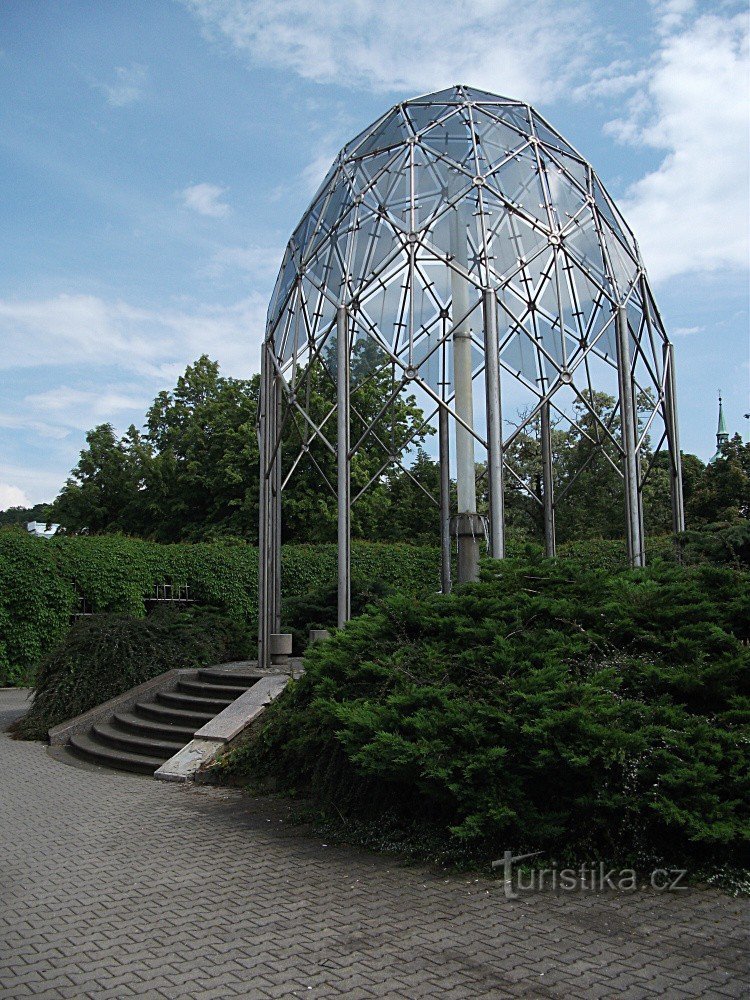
(118, 886)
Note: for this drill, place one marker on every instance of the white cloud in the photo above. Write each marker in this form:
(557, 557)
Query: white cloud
(82, 408)
(16, 422)
(529, 50)
(87, 332)
(691, 213)
(129, 85)
(260, 262)
(206, 200)
(686, 331)
(38, 485)
(12, 496)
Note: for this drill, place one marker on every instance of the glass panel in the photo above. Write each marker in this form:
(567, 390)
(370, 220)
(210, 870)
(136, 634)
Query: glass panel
(425, 308)
(422, 116)
(338, 204)
(575, 169)
(369, 168)
(284, 282)
(590, 308)
(567, 200)
(430, 186)
(509, 237)
(496, 140)
(582, 242)
(385, 308)
(391, 190)
(517, 115)
(551, 340)
(390, 132)
(437, 277)
(551, 138)
(536, 270)
(426, 356)
(303, 234)
(475, 94)
(374, 239)
(451, 95)
(610, 213)
(296, 335)
(624, 267)
(519, 183)
(520, 356)
(452, 138)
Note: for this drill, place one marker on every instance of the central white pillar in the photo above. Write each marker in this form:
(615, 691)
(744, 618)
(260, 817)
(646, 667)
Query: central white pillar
(467, 522)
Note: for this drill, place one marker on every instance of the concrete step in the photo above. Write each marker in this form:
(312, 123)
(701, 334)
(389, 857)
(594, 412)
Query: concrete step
(105, 733)
(198, 690)
(188, 703)
(90, 749)
(145, 728)
(215, 675)
(179, 717)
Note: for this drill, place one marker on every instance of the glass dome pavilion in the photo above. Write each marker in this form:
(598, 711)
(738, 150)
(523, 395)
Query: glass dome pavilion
(464, 245)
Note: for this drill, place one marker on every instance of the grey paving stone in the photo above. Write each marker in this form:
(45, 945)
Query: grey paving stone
(112, 885)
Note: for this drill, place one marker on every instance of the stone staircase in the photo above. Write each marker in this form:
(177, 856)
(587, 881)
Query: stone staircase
(145, 736)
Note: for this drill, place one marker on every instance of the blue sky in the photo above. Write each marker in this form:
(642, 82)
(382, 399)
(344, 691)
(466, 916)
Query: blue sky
(156, 154)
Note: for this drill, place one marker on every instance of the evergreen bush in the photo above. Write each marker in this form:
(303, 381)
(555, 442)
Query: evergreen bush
(549, 707)
(105, 655)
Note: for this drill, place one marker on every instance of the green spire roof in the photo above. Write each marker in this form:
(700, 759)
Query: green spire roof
(722, 435)
(721, 432)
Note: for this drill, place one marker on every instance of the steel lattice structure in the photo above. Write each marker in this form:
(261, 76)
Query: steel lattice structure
(464, 246)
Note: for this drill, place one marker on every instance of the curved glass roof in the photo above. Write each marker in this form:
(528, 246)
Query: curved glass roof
(441, 197)
(469, 183)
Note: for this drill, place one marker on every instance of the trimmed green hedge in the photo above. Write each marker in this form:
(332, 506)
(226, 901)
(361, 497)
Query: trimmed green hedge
(41, 581)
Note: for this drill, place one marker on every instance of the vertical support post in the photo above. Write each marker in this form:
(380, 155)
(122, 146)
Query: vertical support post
(276, 501)
(630, 458)
(445, 501)
(264, 526)
(673, 441)
(343, 479)
(550, 544)
(494, 425)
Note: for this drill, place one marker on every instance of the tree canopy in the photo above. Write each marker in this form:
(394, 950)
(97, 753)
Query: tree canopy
(191, 472)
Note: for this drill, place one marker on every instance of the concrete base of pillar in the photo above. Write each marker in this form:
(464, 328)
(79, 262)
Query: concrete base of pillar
(281, 649)
(469, 530)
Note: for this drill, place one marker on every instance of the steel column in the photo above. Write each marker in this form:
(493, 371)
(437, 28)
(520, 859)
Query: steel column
(673, 441)
(343, 477)
(494, 425)
(275, 480)
(550, 544)
(445, 500)
(629, 439)
(264, 527)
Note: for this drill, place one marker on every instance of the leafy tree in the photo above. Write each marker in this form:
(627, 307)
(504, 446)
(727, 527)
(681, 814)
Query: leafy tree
(22, 515)
(309, 510)
(103, 491)
(722, 492)
(201, 465)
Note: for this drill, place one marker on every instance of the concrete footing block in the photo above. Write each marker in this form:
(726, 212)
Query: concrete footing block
(186, 762)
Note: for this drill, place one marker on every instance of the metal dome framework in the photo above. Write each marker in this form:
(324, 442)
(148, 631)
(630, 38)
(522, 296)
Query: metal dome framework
(462, 245)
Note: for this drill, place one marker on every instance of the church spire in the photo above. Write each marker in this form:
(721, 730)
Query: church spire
(722, 435)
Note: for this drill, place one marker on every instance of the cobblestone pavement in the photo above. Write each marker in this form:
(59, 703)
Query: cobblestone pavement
(118, 886)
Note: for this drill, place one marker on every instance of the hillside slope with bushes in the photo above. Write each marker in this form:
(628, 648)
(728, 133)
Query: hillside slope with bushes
(582, 713)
